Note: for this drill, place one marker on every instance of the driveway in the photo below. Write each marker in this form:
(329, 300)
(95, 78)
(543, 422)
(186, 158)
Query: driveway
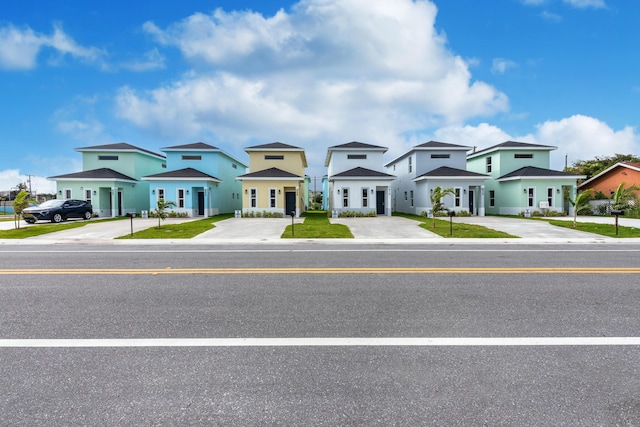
(385, 227)
(249, 229)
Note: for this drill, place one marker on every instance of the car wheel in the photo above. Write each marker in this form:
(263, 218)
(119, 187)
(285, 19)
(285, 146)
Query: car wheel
(30, 221)
(87, 215)
(57, 218)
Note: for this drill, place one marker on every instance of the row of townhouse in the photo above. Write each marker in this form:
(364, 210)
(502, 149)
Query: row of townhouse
(203, 180)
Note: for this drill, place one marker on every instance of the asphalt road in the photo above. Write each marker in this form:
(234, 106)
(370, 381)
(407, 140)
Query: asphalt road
(300, 335)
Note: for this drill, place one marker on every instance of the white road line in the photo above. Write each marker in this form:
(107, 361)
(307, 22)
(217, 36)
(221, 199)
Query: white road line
(320, 342)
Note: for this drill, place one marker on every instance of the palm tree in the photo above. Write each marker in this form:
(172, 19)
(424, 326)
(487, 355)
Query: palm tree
(581, 203)
(21, 201)
(436, 201)
(622, 196)
(161, 209)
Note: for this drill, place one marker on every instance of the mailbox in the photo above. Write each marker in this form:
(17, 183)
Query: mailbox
(131, 214)
(617, 212)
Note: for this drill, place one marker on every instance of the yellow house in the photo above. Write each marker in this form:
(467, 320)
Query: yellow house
(275, 183)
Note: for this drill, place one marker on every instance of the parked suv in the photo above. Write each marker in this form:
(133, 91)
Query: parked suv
(58, 211)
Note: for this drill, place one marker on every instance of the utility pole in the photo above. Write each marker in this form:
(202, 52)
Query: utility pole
(29, 176)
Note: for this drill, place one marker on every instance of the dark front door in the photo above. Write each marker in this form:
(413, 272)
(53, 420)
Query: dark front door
(200, 202)
(119, 203)
(471, 206)
(380, 202)
(289, 202)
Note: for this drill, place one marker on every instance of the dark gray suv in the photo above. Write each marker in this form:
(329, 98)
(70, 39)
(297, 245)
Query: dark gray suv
(58, 211)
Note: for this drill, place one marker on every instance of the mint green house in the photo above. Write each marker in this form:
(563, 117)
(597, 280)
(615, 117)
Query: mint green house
(200, 179)
(111, 178)
(520, 179)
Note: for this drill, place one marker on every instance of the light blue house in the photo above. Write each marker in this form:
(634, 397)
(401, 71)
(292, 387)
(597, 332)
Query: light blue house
(200, 179)
(520, 179)
(110, 178)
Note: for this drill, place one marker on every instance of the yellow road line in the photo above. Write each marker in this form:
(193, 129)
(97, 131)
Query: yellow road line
(312, 270)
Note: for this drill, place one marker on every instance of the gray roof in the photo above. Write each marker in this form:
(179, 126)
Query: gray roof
(513, 145)
(270, 173)
(273, 145)
(121, 146)
(95, 174)
(532, 171)
(441, 145)
(362, 172)
(186, 173)
(193, 146)
(358, 145)
(446, 171)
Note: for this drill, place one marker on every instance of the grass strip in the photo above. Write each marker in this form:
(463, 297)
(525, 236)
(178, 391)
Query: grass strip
(184, 230)
(456, 230)
(40, 229)
(608, 230)
(316, 225)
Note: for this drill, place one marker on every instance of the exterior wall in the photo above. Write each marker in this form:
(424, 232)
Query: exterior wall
(263, 188)
(422, 197)
(609, 182)
(104, 196)
(292, 161)
(503, 161)
(215, 199)
(340, 161)
(133, 164)
(512, 197)
(355, 202)
(425, 160)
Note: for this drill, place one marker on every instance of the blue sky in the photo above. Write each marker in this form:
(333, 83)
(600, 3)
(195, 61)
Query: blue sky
(314, 73)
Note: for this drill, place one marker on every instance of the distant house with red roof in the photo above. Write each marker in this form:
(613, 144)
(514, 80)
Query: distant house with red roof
(609, 179)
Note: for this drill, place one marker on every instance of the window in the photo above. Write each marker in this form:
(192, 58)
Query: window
(180, 197)
(405, 195)
(272, 198)
(160, 193)
(365, 197)
(87, 195)
(274, 157)
(492, 198)
(356, 156)
(345, 197)
(531, 197)
(550, 196)
(191, 157)
(67, 193)
(254, 197)
(233, 165)
(523, 156)
(411, 194)
(107, 157)
(488, 164)
(440, 156)
(410, 164)
(456, 199)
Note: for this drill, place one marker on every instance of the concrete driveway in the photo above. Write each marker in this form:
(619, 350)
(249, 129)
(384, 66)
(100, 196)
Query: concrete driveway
(385, 227)
(250, 229)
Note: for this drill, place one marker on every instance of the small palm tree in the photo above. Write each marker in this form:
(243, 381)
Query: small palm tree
(21, 201)
(622, 196)
(581, 203)
(161, 209)
(436, 197)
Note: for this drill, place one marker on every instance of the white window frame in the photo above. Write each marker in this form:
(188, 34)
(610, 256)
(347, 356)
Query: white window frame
(273, 198)
(410, 164)
(66, 193)
(551, 195)
(531, 197)
(180, 199)
(345, 197)
(365, 197)
(489, 164)
(88, 195)
(253, 197)
(160, 194)
(411, 196)
(492, 198)
(457, 197)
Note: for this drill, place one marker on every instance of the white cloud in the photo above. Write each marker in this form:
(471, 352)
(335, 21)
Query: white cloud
(501, 65)
(328, 71)
(10, 178)
(583, 4)
(151, 60)
(19, 47)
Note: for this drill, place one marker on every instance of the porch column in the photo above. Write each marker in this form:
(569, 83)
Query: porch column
(481, 202)
(206, 202)
(114, 202)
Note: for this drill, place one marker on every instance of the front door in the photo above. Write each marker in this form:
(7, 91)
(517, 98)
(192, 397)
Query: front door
(201, 203)
(380, 202)
(471, 200)
(290, 202)
(119, 203)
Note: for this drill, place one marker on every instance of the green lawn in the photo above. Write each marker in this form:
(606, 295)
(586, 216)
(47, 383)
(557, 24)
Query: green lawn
(39, 229)
(184, 230)
(456, 230)
(602, 229)
(317, 226)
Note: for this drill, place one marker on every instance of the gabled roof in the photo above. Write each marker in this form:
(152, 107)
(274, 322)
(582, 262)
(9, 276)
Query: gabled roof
(629, 165)
(194, 146)
(363, 173)
(535, 172)
(271, 173)
(431, 146)
(102, 174)
(353, 146)
(512, 145)
(185, 174)
(274, 146)
(448, 172)
(120, 147)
